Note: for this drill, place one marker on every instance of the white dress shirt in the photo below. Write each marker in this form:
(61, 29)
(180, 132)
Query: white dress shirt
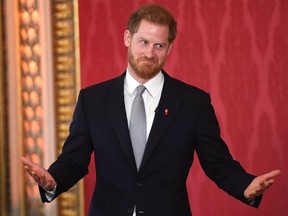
(151, 97)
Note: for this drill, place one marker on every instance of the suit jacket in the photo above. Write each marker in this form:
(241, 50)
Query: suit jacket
(99, 125)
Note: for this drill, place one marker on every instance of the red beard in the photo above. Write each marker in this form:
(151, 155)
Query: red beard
(145, 68)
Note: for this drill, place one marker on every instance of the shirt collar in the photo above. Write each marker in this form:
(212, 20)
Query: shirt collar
(153, 86)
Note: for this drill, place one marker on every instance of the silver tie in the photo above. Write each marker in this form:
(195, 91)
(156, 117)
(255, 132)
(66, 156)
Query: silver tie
(138, 126)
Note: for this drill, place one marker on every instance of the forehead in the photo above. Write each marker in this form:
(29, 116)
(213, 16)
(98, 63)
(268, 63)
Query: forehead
(151, 30)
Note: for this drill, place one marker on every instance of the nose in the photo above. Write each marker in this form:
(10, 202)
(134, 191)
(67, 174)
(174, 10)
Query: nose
(150, 51)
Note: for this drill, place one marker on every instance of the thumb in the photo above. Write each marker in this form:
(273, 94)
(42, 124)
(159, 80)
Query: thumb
(26, 161)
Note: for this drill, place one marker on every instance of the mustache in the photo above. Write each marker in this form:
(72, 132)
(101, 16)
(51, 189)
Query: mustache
(153, 59)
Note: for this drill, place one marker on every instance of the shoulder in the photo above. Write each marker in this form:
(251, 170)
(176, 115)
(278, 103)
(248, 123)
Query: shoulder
(104, 87)
(182, 88)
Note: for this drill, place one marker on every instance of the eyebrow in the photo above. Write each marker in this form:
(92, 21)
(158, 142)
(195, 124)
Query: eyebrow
(157, 43)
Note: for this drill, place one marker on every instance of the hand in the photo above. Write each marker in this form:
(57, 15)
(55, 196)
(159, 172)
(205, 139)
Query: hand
(260, 184)
(40, 175)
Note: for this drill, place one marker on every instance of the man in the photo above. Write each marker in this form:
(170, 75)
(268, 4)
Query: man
(178, 120)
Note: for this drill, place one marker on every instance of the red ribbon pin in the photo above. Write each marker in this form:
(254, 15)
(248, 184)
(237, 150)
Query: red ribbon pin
(166, 112)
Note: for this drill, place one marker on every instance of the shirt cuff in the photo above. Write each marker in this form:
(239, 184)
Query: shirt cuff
(50, 194)
(251, 202)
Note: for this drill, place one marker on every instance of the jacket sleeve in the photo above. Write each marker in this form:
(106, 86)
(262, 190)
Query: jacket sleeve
(216, 160)
(72, 164)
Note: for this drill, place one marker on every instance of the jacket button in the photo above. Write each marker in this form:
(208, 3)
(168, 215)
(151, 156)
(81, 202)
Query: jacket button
(130, 210)
(139, 184)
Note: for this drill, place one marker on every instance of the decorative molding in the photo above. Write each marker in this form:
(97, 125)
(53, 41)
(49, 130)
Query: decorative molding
(31, 97)
(67, 84)
(4, 180)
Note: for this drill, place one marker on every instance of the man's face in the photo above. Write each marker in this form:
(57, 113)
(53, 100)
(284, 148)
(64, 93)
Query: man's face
(147, 50)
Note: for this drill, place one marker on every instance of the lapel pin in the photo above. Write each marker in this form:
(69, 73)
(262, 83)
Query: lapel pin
(166, 112)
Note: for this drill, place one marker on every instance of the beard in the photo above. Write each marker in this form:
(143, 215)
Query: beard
(143, 69)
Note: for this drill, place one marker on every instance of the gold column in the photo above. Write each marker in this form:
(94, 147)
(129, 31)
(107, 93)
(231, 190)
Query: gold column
(67, 84)
(4, 198)
(31, 92)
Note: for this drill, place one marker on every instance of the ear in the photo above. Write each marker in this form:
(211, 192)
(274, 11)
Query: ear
(127, 38)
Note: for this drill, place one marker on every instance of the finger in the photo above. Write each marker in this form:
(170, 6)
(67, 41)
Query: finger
(27, 168)
(35, 178)
(256, 193)
(251, 196)
(27, 162)
(43, 183)
(47, 183)
(267, 179)
(30, 170)
(48, 186)
(263, 187)
(271, 174)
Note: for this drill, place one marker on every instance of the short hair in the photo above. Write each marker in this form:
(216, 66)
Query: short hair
(155, 14)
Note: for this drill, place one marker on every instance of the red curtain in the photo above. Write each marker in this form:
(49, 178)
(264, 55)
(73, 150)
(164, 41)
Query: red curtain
(237, 50)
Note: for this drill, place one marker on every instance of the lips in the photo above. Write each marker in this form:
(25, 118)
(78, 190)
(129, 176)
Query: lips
(147, 60)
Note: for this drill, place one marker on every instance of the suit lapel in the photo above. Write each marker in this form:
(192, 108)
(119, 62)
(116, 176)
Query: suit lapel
(166, 111)
(116, 109)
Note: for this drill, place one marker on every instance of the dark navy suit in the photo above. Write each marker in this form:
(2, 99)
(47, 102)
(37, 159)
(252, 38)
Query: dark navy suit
(159, 188)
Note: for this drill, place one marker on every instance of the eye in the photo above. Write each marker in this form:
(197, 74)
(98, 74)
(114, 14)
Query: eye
(159, 46)
(144, 42)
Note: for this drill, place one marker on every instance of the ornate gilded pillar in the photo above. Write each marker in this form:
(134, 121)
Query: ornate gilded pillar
(67, 84)
(4, 195)
(31, 92)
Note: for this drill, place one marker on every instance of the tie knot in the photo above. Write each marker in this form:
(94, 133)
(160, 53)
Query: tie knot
(140, 90)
